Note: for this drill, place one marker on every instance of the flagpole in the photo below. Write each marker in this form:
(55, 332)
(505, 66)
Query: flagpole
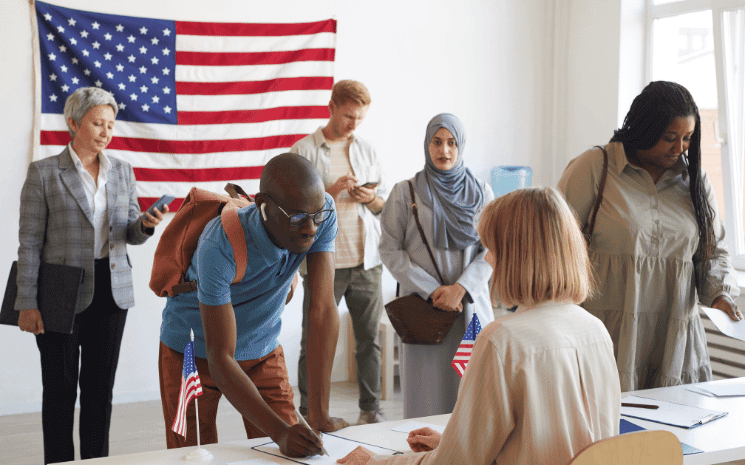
(198, 454)
(36, 58)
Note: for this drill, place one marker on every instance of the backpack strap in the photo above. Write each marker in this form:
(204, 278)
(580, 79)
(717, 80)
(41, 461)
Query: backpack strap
(237, 238)
(236, 191)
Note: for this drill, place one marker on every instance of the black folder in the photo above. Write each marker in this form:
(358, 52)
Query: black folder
(56, 296)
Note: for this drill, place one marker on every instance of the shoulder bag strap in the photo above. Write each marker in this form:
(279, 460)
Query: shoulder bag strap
(421, 231)
(599, 196)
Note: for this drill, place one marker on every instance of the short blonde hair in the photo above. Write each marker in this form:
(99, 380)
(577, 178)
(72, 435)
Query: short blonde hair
(539, 250)
(350, 91)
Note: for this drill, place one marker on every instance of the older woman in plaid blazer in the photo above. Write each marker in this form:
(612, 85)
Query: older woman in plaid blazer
(79, 208)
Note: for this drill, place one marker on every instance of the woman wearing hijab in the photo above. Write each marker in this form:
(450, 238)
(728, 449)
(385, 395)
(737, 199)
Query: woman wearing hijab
(448, 198)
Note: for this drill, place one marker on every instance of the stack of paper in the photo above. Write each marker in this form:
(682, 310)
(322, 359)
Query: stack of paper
(628, 427)
(668, 413)
(718, 390)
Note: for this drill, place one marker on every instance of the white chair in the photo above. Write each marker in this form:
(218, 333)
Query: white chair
(638, 448)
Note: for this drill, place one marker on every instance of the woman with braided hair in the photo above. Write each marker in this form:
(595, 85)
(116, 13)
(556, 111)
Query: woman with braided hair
(657, 240)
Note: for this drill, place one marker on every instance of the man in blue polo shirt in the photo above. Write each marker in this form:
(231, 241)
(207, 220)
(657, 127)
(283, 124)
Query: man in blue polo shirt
(236, 327)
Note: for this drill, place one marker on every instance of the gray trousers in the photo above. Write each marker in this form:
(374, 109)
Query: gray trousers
(362, 291)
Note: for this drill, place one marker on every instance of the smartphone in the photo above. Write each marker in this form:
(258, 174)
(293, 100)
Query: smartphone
(370, 185)
(165, 200)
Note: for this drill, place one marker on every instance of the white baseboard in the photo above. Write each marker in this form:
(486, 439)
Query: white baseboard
(119, 398)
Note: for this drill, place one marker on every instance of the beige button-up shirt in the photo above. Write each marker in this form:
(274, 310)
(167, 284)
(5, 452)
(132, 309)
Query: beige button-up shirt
(643, 251)
(541, 386)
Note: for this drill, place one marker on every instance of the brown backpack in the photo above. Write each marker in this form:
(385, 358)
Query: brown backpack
(179, 239)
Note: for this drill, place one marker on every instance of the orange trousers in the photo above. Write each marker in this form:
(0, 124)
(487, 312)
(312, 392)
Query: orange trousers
(268, 373)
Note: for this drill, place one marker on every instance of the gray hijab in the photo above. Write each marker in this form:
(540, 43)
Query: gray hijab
(453, 195)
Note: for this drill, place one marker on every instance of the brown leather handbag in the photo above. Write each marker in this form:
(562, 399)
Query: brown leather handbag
(416, 320)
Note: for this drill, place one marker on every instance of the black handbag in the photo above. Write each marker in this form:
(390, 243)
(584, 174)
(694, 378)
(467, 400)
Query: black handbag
(416, 320)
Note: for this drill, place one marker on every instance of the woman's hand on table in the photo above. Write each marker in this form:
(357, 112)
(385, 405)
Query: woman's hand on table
(359, 456)
(449, 298)
(728, 306)
(423, 439)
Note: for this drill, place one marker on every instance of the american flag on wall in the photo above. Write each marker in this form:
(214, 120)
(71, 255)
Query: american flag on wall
(465, 349)
(200, 104)
(191, 387)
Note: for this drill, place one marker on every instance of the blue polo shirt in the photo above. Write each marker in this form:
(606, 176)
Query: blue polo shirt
(258, 300)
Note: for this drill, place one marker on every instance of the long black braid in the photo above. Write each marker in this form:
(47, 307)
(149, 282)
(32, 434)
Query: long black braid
(650, 114)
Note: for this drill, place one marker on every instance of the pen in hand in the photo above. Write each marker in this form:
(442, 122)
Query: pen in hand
(649, 406)
(302, 421)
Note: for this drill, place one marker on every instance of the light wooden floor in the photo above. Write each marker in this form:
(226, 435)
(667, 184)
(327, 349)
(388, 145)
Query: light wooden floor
(139, 426)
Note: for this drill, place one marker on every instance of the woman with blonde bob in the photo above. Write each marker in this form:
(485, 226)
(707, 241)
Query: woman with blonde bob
(542, 384)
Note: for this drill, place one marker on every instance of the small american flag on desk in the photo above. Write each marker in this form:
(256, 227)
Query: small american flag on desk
(463, 355)
(191, 387)
(200, 104)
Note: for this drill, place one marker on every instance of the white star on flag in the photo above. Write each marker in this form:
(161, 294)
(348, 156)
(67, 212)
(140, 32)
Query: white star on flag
(233, 96)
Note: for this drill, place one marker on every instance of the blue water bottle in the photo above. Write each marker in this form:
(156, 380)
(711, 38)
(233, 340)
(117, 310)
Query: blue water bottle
(506, 179)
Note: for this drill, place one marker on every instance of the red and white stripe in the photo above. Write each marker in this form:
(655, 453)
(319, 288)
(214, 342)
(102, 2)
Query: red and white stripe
(190, 387)
(462, 356)
(245, 93)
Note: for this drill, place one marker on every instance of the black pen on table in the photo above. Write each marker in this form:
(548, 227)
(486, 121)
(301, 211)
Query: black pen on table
(302, 421)
(649, 406)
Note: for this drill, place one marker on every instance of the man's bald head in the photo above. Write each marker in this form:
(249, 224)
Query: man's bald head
(289, 174)
(290, 185)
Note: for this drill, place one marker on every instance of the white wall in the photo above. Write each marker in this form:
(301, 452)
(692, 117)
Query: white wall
(593, 67)
(489, 62)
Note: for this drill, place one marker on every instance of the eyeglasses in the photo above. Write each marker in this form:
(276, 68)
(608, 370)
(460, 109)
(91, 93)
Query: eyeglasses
(299, 218)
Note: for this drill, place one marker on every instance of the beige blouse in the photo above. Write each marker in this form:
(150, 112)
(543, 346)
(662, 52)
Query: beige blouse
(643, 252)
(541, 386)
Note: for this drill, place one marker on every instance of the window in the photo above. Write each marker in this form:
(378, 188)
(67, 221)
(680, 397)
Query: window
(701, 45)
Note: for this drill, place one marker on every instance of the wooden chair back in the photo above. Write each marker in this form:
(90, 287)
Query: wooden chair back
(638, 448)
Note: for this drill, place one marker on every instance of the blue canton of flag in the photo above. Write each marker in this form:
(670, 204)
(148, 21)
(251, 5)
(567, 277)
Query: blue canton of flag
(133, 58)
(200, 103)
(463, 354)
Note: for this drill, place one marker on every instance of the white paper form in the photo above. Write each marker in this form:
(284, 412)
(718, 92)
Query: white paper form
(336, 446)
(718, 390)
(725, 324)
(267, 461)
(410, 426)
(668, 413)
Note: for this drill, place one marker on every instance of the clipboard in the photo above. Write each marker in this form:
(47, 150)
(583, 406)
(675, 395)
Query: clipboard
(338, 446)
(668, 413)
(57, 295)
(628, 427)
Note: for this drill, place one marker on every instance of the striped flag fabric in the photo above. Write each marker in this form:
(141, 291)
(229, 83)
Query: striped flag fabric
(465, 349)
(190, 387)
(200, 104)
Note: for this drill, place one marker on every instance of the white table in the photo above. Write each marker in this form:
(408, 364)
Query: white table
(378, 434)
(722, 440)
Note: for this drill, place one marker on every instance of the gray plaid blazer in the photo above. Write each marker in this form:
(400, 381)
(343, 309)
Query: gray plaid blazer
(56, 227)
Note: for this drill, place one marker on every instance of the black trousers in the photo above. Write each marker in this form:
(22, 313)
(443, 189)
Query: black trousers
(89, 356)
